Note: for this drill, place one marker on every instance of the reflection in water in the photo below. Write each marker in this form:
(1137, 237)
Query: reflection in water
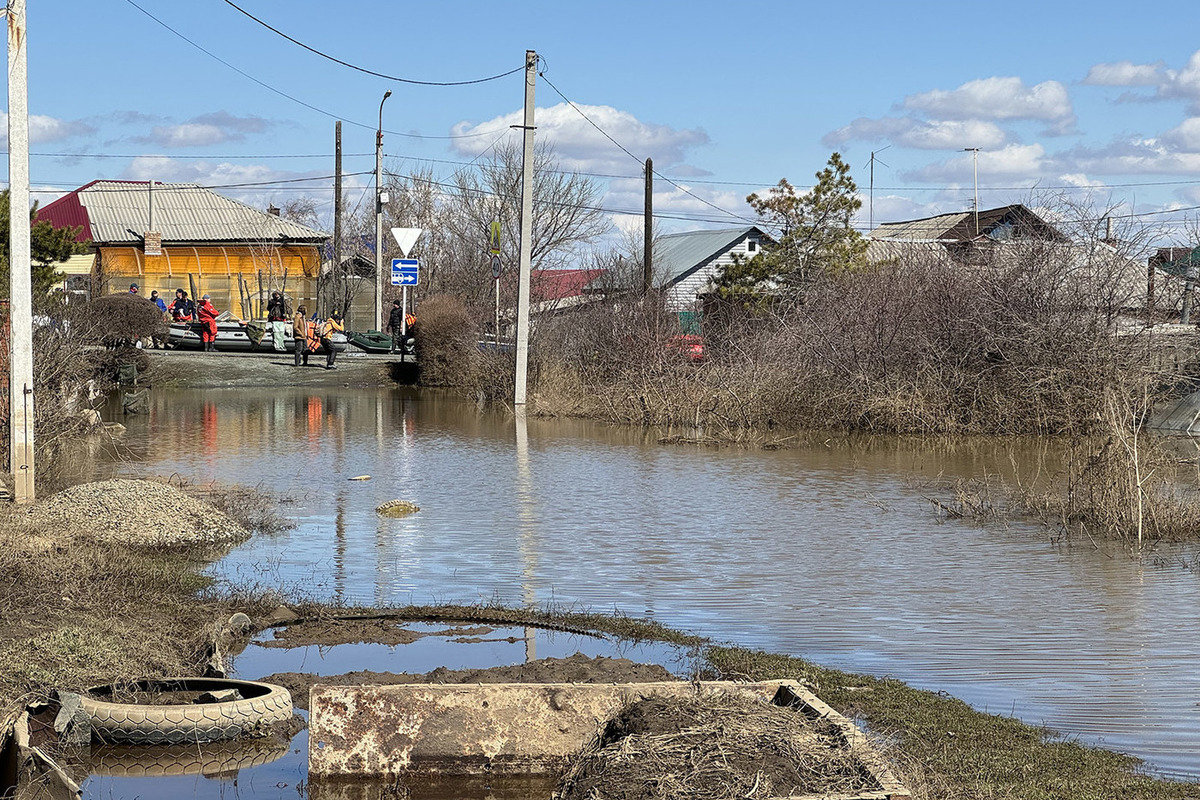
(828, 550)
(525, 503)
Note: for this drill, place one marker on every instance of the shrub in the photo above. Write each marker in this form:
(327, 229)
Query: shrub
(122, 318)
(446, 342)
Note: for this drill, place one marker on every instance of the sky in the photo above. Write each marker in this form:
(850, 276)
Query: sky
(1091, 104)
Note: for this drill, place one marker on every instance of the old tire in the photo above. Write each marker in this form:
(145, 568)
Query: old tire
(132, 723)
(164, 760)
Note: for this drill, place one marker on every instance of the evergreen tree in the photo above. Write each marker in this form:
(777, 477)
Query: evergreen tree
(48, 246)
(817, 234)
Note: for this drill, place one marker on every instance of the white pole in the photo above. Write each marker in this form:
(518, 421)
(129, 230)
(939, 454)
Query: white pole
(20, 377)
(379, 215)
(526, 234)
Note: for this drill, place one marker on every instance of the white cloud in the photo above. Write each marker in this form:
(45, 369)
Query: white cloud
(920, 134)
(43, 129)
(1081, 180)
(204, 130)
(189, 134)
(579, 146)
(1125, 73)
(998, 99)
(1013, 161)
(1169, 84)
(1185, 136)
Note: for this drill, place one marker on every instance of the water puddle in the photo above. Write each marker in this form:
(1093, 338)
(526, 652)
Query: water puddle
(270, 768)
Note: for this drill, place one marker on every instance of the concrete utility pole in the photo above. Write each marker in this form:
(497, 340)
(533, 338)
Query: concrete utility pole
(20, 376)
(974, 151)
(379, 215)
(648, 232)
(336, 268)
(526, 234)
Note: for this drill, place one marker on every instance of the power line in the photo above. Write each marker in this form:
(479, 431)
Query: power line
(363, 69)
(625, 150)
(287, 96)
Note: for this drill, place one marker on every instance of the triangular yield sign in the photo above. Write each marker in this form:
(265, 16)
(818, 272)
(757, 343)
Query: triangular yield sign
(406, 238)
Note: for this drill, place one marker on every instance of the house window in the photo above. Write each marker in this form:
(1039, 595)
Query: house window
(751, 245)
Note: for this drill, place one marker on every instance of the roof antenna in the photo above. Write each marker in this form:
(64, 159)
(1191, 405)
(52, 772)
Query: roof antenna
(871, 203)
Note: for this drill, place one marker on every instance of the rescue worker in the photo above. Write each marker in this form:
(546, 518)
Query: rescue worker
(395, 326)
(332, 325)
(208, 323)
(159, 337)
(277, 317)
(182, 309)
(300, 335)
(133, 288)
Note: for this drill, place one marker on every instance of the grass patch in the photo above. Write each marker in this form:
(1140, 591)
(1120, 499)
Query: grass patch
(943, 748)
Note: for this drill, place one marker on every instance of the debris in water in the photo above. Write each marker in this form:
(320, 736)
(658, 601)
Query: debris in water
(361, 478)
(397, 508)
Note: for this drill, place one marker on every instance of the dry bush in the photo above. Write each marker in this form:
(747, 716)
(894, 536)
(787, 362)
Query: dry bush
(121, 318)
(446, 342)
(1024, 342)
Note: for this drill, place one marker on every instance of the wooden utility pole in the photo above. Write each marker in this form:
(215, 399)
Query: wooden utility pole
(648, 231)
(526, 234)
(20, 377)
(338, 291)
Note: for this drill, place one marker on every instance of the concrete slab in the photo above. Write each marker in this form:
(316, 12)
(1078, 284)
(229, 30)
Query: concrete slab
(367, 732)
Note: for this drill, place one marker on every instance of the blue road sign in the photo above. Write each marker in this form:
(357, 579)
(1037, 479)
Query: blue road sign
(405, 271)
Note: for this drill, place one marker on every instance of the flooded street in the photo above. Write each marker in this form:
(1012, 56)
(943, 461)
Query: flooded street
(827, 551)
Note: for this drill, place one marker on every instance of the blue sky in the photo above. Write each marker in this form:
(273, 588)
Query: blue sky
(1097, 102)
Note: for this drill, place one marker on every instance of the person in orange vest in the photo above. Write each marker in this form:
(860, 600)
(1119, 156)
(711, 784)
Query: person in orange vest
(300, 335)
(332, 325)
(208, 323)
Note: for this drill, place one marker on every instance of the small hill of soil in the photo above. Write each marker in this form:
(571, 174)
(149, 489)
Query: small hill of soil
(134, 513)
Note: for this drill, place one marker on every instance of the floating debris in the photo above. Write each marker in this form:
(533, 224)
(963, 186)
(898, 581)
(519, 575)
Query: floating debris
(397, 508)
(361, 478)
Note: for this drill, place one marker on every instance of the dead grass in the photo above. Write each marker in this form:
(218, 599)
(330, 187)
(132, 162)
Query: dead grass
(255, 508)
(945, 750)
(713, 748)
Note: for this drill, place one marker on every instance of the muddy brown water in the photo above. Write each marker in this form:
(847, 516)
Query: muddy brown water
(828, 550)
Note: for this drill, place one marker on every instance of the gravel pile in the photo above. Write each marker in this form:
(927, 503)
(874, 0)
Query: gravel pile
(136, 513)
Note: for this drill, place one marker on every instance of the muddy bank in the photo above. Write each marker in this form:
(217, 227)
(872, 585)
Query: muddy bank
(575, 669)
(185, 369)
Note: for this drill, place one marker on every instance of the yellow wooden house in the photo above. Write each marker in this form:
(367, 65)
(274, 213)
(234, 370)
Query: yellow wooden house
(169, 236)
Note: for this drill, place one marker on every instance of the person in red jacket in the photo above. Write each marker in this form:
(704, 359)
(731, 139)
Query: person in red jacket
(208, 322)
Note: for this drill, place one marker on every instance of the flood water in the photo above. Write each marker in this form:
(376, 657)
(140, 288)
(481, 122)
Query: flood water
(828, 551)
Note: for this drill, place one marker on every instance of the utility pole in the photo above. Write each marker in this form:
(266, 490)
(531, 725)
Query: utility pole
(974, 151)
(335, 272)
(526, 234)
(871, 195)
(379, 200)
(20, 310)
(648, 232)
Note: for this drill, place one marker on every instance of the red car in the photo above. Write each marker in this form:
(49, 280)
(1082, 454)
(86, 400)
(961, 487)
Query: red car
(688, 345)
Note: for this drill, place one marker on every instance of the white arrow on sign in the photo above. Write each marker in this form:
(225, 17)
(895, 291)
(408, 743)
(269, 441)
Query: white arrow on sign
(406, 238)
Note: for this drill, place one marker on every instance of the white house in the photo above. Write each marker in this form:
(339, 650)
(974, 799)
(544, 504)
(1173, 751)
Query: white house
(686, 263)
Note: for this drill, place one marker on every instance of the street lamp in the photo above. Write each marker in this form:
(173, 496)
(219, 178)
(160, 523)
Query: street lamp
(379, 201)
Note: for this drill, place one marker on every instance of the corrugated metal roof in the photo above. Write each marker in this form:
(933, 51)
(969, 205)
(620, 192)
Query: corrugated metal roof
(678, 254)
(119, 212)
(930, 229)
(1012, 221)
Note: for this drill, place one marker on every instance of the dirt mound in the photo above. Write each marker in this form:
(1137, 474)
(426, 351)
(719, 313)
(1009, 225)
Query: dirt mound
(134, 513)
(714, 749)
(575, 669)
